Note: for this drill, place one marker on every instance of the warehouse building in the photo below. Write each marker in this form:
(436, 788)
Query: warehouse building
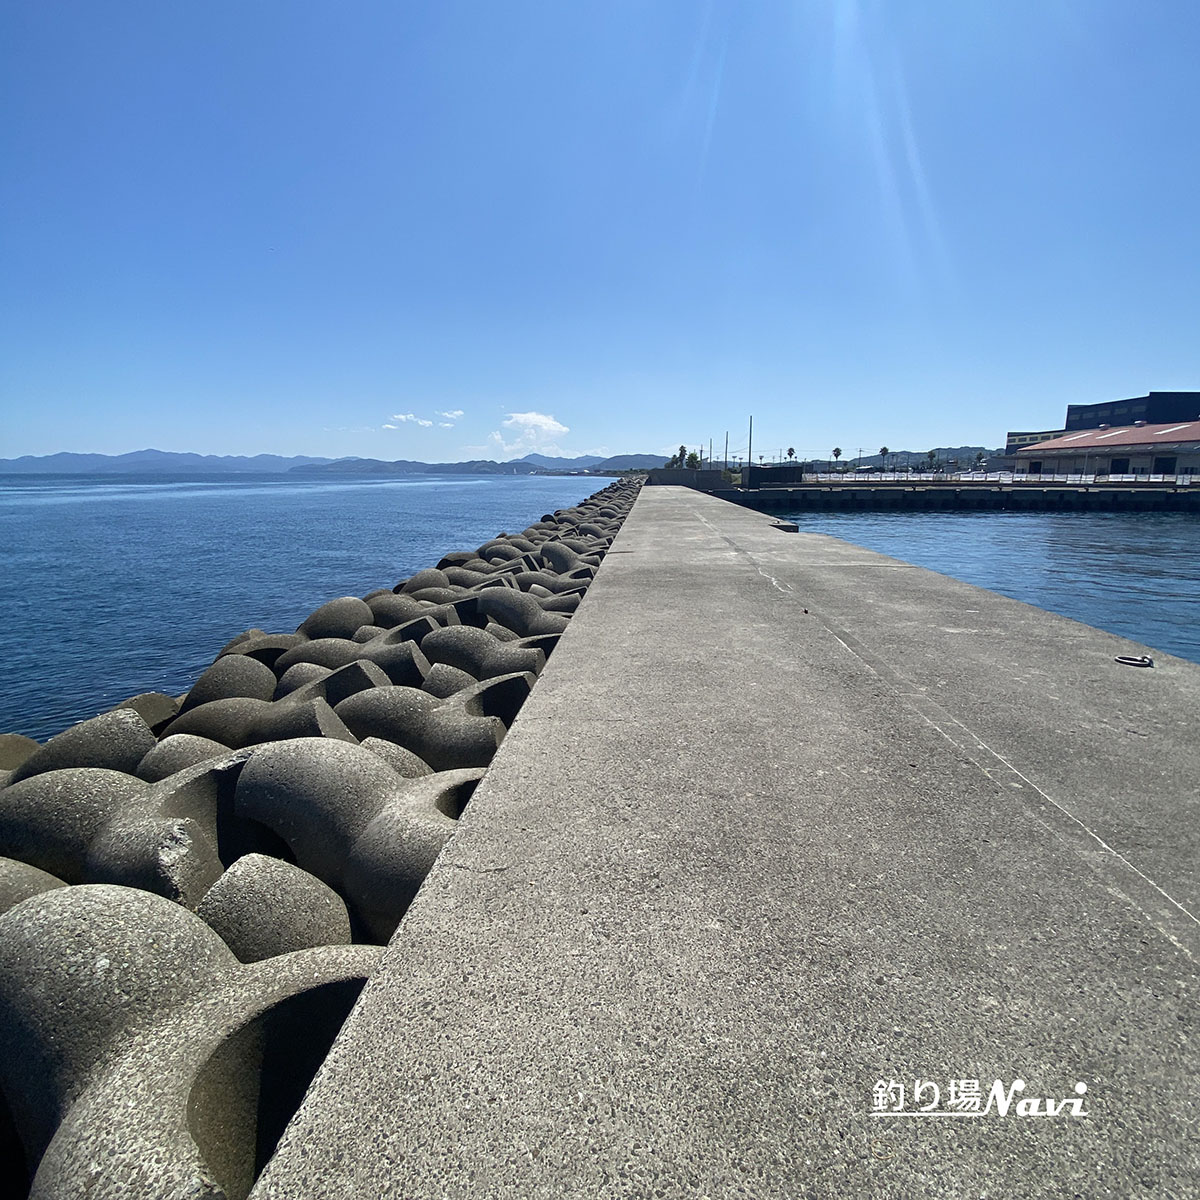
(1135, 449)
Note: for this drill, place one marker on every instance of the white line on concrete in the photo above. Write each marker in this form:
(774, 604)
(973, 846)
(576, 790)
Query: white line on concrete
(933, 713)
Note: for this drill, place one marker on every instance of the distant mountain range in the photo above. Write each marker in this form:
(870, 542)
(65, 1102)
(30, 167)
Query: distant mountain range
(152, 462)
(161, 462)
(531, 464)
(149, 462)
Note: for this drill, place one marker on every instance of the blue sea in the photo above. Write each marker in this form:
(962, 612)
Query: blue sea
(1134, 574)
(113, 586)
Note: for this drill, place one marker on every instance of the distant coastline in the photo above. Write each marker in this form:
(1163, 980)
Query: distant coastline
(158, 462)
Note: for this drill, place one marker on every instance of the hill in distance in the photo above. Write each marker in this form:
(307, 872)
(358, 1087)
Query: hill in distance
(150, 462)
(531, 464)
(161, 462)
(962, 456)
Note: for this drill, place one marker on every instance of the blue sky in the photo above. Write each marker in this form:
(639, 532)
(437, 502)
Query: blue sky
(443, 230)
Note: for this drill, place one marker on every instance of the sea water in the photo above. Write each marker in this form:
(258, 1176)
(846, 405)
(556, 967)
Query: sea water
(115, 586)
(112, 586)
(1134, 574)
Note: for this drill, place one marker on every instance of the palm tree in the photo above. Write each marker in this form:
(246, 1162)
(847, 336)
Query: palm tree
(837, 453)
(883, 453)
(791, 452)
(931, 455)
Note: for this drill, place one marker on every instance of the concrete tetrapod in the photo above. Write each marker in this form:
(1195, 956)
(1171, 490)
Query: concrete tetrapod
(155, 708)
(334, 686)
(231, 675)
(19, 881)
(479, 654)
(263, 907)
(444, 680)
(353, 821)
(266, 647)
(241, 721)
(139, 1059)
(92, 825)
(117, 740)
(51, 820)
(337, 618)
(389, 609)
(403, 762)
(443, 735)
(175, 753)
(520, 612)
(297, 675)
(395, 852)
(15, 748)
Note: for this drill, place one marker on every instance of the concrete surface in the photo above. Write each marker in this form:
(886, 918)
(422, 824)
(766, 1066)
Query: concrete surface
(783, 819)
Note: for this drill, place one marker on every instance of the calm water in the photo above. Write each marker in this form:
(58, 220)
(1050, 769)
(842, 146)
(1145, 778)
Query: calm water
(1135, 574)
(114, 587)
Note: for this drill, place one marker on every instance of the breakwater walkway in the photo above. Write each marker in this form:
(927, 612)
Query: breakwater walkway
(790, 842)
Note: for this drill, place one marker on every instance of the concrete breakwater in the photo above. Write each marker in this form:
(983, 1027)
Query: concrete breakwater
(194, 890)
(903, 496)
(804, 872)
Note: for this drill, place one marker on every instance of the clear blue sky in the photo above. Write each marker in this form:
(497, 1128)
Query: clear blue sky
(577, 226)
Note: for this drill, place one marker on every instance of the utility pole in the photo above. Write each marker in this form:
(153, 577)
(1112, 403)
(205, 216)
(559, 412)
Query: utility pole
(727, 450)
(750, 447)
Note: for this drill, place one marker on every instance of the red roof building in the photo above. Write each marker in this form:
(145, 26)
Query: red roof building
(1138, 449)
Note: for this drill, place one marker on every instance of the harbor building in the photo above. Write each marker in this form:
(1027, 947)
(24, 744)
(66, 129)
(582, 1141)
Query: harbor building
(1137, 448)
(1018, 438)
(1156, 408)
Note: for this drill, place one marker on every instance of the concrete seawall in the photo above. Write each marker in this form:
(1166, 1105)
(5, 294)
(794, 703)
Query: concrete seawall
(907, 496)
(787, 833)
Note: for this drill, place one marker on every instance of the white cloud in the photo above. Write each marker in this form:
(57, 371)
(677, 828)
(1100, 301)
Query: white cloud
(445, 424)
(535, 423)
(453, 415)
(387, 426)
(532, 432)
(414, 419)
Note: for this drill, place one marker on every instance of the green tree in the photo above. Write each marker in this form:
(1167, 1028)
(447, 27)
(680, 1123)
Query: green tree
(883, 453)
(931, 455)
(791, 452)
(693, 460)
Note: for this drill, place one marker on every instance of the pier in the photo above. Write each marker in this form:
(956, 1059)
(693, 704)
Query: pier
(791, 845)
(913, 495)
